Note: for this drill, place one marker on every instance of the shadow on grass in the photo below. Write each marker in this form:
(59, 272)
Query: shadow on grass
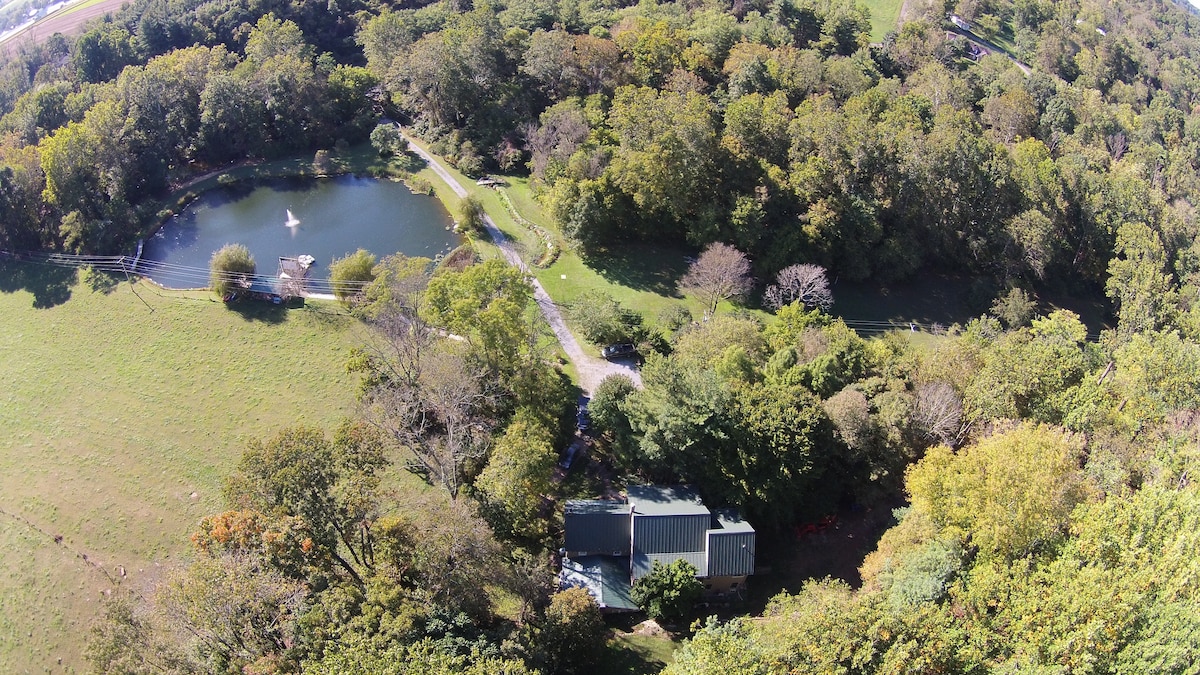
(927, 300)
(259, 310)
(631, 654)
(789, 560)
(947, 300)
(50, 285)
(102, 282)
(642, 267)
(407, 161)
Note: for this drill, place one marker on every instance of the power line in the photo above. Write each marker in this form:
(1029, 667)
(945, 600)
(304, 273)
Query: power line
(176, 272)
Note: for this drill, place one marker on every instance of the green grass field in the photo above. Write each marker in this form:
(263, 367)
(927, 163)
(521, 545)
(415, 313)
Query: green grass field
(119, 425)
(885, 17)
(631, 654)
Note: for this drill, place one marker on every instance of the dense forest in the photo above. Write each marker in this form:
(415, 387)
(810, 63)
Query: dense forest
(1051, 512)
(774, 127)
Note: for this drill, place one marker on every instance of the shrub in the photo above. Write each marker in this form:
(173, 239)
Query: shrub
(321, 162)
(669, 592)
(230, 268)
(572, 633)
(419, 185)
(470, 214)
(349, 275)
(386, 140)
(602, 320)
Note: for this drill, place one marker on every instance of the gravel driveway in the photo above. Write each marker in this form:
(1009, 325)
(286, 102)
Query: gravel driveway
(591, 370)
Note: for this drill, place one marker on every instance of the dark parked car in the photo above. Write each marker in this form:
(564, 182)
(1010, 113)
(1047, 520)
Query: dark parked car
(582, 419)
(618, 350)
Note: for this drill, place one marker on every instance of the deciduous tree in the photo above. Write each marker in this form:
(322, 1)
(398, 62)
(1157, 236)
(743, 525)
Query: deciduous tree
(351, 275)
(517, 480)
(720, 273)
(1010, 494)
(572, 632)
(230, 269)
(805, 283)
(433, 404)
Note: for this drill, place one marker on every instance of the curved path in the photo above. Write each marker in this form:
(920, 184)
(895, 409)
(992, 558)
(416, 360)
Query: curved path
(590, 369)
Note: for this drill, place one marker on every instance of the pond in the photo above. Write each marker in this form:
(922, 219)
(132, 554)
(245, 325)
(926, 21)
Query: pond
(324, 218)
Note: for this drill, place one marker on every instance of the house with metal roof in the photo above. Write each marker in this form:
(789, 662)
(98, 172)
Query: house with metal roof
(609, 544)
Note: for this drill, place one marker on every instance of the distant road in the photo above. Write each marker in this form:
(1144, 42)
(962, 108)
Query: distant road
(68, 21)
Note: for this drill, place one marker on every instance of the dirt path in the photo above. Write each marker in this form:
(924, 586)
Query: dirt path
(991, 47)
(591, 370)
(193, 180)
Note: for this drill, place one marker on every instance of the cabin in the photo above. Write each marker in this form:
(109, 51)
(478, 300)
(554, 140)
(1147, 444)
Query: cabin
(610, 544)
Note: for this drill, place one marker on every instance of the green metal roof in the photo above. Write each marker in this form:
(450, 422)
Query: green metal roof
(605, 577)
(666, 500)
(596, 526)
(643, 563)
(590, 506)
(729, 520)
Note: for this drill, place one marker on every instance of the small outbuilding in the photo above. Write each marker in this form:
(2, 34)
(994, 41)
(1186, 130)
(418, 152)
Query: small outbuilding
(293, 276)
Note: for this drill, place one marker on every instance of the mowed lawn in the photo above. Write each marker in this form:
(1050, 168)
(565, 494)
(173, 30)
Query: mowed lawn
(117, 425)
(885, 17)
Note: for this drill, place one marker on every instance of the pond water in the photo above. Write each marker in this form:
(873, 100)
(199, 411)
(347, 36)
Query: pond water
(325, 218)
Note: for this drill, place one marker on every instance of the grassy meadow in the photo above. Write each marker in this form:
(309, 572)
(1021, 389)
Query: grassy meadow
(885, 17)
(120, 418)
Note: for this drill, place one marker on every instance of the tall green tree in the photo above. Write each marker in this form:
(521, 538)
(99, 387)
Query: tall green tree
(484, 303)
(517, 480)
(1010, 494)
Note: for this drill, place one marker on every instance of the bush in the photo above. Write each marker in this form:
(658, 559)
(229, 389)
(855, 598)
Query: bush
(669, 592)
(386, 140)
(419, 185)
(470, 214)
(673, 319)
(469, 162)
(602, 320)
(351, 274)
(230, 269)
(322, 162)
(572, 633)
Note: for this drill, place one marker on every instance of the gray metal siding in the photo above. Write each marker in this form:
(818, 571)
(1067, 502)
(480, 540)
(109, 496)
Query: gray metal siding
(605, 533)
(644, 563)
(730, 554)
(669, 534)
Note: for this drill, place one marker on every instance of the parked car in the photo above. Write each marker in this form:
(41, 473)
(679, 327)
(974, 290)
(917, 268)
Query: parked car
(582, 419)
(618, 350)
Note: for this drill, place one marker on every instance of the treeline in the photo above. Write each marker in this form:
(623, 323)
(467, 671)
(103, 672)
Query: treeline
(1050, 480)
(772, 126)
(90, 152)
(789, 420)
(776, 127)
(1032, 549)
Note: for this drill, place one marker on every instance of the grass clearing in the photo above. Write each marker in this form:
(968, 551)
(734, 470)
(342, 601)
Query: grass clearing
(885, 17)
(120, 423)
(637, 654)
